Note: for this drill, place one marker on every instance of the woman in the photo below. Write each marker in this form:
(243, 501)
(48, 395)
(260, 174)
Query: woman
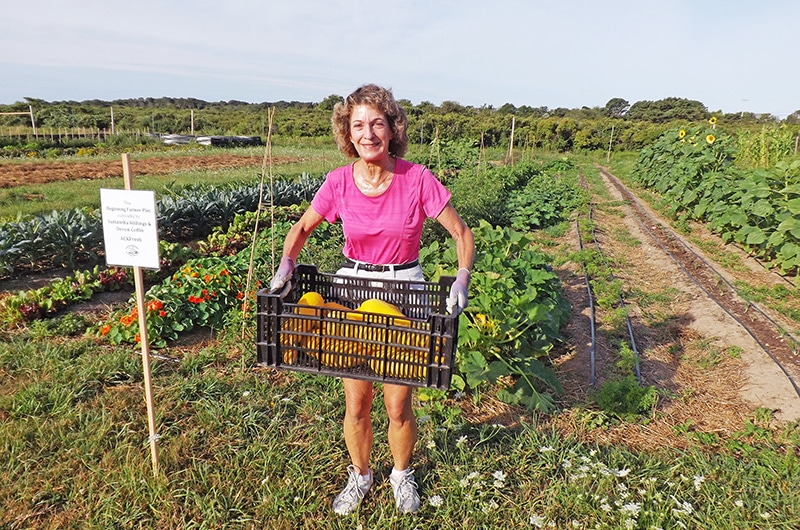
(382, 201)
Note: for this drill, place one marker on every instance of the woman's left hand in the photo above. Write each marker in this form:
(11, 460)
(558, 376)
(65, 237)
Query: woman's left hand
(459, 292)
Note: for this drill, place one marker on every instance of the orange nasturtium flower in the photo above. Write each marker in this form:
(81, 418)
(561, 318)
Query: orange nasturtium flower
(682, 133)
(154, 305)
(105, 329)
(710, 139)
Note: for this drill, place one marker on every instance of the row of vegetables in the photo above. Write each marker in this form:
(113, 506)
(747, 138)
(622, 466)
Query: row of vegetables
(512, 325)
(73, 238)
(693, 170)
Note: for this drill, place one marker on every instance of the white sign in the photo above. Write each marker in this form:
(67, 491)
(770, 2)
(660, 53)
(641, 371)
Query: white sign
(130, 231)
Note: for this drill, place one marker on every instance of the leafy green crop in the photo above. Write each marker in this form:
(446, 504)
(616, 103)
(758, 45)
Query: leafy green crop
(759, 209)
(514, 318)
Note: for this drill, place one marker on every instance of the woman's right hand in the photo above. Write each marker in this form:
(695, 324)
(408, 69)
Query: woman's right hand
(282, 275)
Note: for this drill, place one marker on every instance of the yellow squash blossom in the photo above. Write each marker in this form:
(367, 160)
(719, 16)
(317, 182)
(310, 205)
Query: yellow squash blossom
(682, 133)
(712, 120)
(710, 139)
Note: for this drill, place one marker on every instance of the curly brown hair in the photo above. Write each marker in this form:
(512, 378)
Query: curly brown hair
(381, 99)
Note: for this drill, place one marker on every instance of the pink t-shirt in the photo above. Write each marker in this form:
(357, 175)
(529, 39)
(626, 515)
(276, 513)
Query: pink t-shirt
(384, 229)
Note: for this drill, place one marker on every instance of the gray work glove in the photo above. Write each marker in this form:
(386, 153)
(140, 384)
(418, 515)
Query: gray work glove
(459, 293)
(282, 275)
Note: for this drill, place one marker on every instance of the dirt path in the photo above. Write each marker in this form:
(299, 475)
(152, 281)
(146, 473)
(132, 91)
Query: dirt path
(684, 339)
(18, 174)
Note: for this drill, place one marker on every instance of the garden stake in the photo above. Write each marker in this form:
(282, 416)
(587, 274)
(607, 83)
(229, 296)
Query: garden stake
(267, 161)
(140, 306)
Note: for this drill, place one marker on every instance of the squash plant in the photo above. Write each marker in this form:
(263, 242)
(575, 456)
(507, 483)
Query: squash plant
(513, 321)
(758, 209)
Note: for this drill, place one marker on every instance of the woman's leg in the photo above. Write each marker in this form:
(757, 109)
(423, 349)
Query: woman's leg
(357, 422)
(402, 424)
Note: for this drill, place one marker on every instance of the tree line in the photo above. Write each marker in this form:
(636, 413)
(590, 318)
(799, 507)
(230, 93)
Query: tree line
(618, 123)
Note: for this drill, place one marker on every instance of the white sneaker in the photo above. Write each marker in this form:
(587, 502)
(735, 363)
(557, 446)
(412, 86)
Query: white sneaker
(405, 493)
(350, 497)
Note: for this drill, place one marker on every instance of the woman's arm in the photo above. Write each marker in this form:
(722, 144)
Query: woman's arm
(461, 234)
(299, 233)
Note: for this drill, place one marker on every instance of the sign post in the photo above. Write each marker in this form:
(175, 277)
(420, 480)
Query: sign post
(130, 234)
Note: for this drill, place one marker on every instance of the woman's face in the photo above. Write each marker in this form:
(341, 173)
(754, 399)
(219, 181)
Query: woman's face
(370, 133)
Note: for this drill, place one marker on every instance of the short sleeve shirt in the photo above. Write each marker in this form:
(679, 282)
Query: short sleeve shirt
(384, 229)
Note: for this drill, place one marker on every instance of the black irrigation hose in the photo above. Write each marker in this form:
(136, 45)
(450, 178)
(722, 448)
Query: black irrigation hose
(622, 304)
(633, 200)
(592, 318)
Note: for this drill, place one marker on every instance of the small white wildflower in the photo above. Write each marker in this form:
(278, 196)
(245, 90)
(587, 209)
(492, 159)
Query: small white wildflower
(459, 395)
(632, 508)
(538, 521)
(473, 475)
(630, 524)
(576, 524)
(641, 492)
(491, 505)
(683, 507)
(461, 441)
(436, 501)
(499, 475)
(296, 499)
(567, 463)
(546, 449)
(623, 472)
(698, 480)
(431, 444)
(606, 507)
(463, 483)
(265, 480)
(739, 503)
(245, 393)
(766, 515)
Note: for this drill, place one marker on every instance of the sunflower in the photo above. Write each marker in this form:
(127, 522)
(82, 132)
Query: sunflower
(712, 120)
(710, 139)
(682, 133)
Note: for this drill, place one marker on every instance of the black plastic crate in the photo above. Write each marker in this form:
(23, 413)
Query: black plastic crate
(417, 349)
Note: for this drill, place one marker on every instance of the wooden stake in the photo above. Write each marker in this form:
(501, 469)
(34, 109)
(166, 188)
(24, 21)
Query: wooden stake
(138, 278)
(511, 141)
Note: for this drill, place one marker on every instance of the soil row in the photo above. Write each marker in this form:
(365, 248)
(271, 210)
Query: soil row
(763, 328)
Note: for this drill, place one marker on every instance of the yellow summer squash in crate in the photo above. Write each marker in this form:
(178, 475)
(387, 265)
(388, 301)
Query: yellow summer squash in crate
(345, 345)
(297, 328)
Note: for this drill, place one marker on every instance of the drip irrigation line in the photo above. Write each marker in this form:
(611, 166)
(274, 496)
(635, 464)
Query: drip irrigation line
(763, 346)
(636, 362)
(592, 318)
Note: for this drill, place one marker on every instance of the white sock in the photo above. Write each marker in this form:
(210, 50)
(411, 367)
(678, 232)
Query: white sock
(365, 479)
(398, 474)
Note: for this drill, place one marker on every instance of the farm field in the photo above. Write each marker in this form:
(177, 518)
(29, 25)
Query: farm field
(247, 447)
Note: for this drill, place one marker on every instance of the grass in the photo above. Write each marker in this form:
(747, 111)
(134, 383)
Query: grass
(244, 447)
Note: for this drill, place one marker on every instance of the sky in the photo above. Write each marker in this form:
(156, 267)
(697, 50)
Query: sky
(731, 55)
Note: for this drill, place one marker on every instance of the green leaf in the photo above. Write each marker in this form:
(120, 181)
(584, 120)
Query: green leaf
(756, 236)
